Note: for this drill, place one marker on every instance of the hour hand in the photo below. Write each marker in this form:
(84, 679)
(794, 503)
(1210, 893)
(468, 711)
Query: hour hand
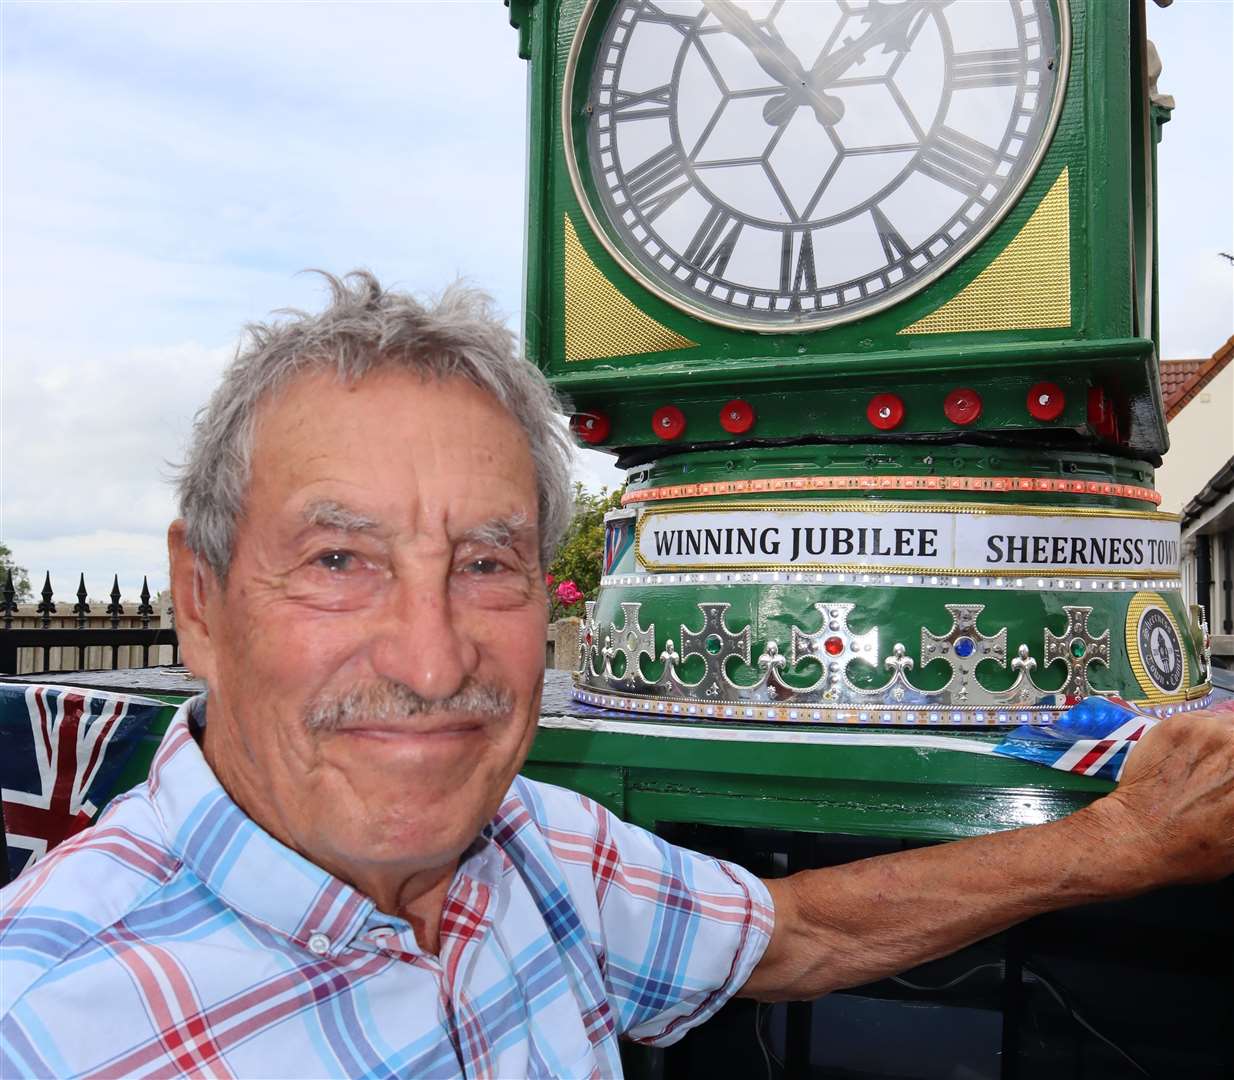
(889, 25)
(780, 64)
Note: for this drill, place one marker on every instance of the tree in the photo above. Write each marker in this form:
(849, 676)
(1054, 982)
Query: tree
(574, 574)
(21, 579)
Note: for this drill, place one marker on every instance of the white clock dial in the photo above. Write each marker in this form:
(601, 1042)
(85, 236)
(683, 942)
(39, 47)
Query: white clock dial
(794, 164)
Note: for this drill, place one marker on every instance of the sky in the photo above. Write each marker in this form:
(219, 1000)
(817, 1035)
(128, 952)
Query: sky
(167, 170)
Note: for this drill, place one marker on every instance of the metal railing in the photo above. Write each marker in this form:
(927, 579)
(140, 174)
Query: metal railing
(114, 633)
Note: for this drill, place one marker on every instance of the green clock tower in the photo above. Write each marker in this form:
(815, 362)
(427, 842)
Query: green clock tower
(861, 295)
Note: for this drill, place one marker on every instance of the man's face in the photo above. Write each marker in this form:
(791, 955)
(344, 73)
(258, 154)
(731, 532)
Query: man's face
(388, 550)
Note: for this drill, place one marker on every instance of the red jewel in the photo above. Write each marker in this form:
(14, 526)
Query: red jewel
(885, 411)
(737, 416)
(668, 422)
(591, 427)
(1046, 401)
(834, 646)
(962, 406)
(588, 637)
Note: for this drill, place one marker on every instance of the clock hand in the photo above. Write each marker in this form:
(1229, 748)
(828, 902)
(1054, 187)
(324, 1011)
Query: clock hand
(780, 64)
(889, 26)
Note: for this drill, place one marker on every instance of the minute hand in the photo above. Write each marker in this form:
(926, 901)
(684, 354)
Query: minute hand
(778, 63)
(894, 23)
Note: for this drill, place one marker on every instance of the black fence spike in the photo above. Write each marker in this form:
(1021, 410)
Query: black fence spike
(9, 596)
(47, 609)
(81, 609)
(115, 609)
(144, 609)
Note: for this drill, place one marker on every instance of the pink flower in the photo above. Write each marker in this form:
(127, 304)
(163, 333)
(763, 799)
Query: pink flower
(569, 593)
(548, 580)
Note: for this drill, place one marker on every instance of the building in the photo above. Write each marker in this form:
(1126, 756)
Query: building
(1197, 482)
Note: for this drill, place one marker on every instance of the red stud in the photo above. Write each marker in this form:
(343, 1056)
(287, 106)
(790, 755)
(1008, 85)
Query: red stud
(590, 427)
(1046, 401)
(885, 411)
(834, 646)
(737, 416)
(668, 422)
(962, 406)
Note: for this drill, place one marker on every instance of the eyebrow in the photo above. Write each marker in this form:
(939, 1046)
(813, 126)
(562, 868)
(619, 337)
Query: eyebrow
(499, 532)
(328, 514)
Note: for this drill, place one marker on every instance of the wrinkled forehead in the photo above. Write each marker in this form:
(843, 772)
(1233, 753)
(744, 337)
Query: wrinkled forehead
(389, 440)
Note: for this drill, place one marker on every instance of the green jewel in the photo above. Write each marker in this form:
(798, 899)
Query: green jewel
(712, 644)
(1078, 648)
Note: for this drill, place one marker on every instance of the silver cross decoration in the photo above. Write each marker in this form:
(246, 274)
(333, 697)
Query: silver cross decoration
(715, 643)
(845, 646)
(963, 647)
(1077, 647)
(1204, 645)
(588, 639)
(633, 642)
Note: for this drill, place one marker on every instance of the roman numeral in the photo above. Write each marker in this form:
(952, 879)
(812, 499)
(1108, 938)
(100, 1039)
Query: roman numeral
(658, 182)
(713, 243)
(986, 67)
(957, 161)
(895, 247)
(646, 105)
(797, 275)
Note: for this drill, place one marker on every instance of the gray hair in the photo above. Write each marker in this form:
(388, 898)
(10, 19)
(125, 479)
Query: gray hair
(363, 329)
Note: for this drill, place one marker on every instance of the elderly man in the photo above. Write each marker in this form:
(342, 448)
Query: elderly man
(334, 869)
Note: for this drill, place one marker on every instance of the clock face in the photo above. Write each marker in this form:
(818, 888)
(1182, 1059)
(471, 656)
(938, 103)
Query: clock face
(789, 165)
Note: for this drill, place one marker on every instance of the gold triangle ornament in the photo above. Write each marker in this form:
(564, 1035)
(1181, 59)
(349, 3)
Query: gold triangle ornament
(600, 321)
(1028, 287)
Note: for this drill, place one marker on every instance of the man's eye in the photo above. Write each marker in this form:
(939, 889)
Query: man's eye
(337, 561)
(483, 566)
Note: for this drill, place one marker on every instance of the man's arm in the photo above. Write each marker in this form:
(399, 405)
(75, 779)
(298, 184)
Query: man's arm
(1170, 821)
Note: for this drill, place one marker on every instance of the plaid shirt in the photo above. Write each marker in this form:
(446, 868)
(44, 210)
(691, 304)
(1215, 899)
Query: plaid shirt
(177, 937)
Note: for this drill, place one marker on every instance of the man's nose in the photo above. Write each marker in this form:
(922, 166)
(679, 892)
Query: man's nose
(421, 644)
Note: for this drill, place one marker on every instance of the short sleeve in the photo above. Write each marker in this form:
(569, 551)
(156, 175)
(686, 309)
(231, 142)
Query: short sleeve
(680, 932)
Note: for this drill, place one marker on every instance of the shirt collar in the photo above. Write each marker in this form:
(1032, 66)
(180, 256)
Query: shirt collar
(251, 871)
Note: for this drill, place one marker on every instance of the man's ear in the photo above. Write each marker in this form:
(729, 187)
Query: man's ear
(193, 585)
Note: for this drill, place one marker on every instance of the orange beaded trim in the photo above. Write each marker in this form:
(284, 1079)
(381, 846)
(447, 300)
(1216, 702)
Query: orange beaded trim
(894, 483)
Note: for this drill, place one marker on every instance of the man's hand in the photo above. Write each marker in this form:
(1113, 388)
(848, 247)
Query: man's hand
(1170, 821)
(1175, 803)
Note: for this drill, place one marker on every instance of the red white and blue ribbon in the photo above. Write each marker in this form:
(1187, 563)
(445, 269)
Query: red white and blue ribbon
(1093, 738)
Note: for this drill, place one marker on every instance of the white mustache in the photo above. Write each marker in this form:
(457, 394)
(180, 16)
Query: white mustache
(389, 701)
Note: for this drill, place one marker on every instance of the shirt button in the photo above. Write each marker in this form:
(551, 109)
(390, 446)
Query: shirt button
(319, 944)
(380, 932)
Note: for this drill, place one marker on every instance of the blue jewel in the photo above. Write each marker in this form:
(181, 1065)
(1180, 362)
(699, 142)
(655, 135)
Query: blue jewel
(963, 647)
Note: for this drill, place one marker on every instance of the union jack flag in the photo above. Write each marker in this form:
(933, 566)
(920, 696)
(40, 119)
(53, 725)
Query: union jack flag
(1092, 738)
(61, 754)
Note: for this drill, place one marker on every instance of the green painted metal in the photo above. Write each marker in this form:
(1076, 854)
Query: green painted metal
(889, 791)
(1094, 141)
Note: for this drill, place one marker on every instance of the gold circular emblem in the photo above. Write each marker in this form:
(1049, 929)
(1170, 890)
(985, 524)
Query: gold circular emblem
(1155, 648)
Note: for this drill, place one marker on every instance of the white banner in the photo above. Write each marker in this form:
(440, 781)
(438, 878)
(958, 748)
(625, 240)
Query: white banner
(931, 540)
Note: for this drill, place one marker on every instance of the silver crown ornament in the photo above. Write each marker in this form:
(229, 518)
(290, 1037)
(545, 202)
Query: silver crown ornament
(834, 648)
